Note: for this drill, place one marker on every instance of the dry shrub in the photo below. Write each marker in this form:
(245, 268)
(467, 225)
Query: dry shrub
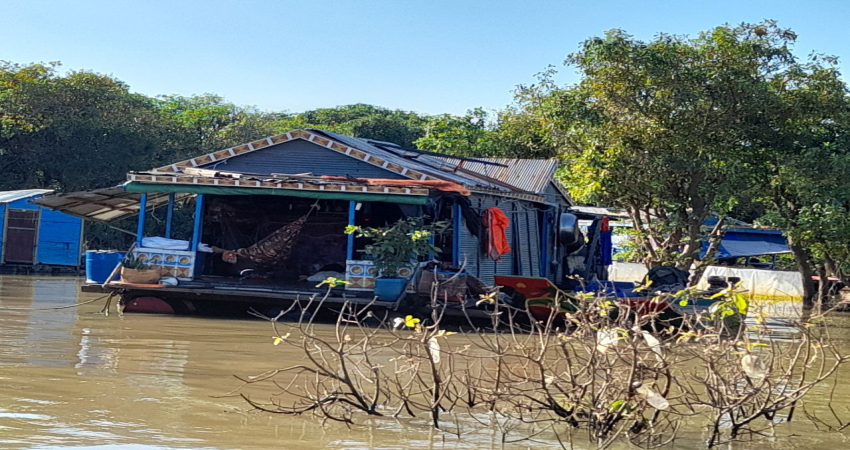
(605, 370)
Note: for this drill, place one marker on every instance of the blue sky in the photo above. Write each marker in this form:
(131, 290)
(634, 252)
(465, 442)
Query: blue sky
(429, 56)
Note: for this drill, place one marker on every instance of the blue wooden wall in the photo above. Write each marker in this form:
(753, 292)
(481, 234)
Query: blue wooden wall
(59, 235)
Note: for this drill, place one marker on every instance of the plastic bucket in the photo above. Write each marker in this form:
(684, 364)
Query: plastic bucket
(101, 263)
(389, 289)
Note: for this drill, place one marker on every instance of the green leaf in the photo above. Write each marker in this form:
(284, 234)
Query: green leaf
(616, 404)
(741, 303)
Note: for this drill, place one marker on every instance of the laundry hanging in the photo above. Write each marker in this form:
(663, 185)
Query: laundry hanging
(497, 224)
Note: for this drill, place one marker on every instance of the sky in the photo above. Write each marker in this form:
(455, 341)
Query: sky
(429, 56)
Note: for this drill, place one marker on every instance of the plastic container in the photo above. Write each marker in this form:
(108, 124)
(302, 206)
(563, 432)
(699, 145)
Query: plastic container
(390, 289)
(101, 263)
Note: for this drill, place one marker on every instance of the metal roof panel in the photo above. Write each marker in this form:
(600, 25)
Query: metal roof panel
(530, 175)
(13, 196)
(102, 205)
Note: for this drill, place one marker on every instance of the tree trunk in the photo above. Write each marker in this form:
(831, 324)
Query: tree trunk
(804, 265)
(822, 287)
(714, 239)
(830, 266)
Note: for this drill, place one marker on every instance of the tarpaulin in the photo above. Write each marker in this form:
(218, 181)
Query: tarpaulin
(742, 242)
(760, 284)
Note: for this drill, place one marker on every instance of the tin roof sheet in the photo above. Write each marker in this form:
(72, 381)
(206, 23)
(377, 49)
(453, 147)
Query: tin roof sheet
(13, 196)
(102, 205)
(530, 175)
(523, 176)
(439, 167)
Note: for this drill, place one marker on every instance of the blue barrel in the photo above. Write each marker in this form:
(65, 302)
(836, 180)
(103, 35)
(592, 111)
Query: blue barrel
(101, 263)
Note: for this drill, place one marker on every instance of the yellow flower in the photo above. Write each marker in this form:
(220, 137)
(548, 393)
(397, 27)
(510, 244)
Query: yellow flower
(444, 333)
(332, 282)
(411, 321)
(276, 340)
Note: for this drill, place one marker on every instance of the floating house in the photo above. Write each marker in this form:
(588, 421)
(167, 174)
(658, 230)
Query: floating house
(36, 236)
(311, 184)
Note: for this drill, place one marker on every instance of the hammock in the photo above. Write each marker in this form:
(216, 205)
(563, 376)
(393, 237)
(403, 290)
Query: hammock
(274, 249)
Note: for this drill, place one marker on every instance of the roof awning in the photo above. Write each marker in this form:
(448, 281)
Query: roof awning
(351, 195)
(223, 183)
(102, 205)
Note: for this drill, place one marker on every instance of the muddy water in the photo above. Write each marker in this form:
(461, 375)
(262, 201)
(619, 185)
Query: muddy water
(73, 378)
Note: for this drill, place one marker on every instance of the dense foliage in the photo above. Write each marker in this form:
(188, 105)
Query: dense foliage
(81, 130)
(676, 129)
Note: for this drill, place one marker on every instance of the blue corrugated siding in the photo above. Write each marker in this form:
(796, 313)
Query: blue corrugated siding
(506, 265)
(529, 240)
(470, 247)
(58, 234)
(520, 244)
(300, 156)
(523, 235)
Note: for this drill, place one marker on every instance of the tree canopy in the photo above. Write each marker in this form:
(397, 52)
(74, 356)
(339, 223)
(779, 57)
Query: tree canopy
(677, 128)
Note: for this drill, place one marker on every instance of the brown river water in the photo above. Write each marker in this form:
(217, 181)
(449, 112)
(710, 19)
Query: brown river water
(76, 379)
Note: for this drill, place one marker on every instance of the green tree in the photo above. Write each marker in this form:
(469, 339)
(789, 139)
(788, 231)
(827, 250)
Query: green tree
(803, 168)
(209, 123)
(361, 120)
(664, 128)
(468, 135)
(74, 131)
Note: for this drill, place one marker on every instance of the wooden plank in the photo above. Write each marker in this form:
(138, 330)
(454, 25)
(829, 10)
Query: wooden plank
(223, 293)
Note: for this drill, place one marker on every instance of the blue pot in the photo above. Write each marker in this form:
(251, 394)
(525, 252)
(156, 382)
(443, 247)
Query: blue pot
(389, 289)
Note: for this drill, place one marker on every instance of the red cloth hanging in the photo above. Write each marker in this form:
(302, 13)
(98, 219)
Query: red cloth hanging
(497, 224)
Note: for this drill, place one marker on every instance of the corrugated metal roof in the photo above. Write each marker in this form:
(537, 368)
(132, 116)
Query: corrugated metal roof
(530, 175)
(102, 205)
(432, 165)
(13, 196)
(527, 175)
(517, 176)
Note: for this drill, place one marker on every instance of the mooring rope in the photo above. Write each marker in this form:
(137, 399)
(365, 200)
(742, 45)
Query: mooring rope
(9, 308)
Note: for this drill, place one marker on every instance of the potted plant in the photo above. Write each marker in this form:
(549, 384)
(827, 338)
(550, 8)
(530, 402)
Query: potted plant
(137, 271)
(396, 247)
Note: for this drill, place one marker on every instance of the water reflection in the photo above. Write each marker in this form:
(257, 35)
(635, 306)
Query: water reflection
(73, 378)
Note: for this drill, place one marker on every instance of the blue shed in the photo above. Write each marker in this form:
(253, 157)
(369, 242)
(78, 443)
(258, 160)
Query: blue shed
(30, 234)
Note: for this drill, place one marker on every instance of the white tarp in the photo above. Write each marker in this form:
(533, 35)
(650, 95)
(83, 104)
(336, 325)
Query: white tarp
(625, 271)
(760, 284)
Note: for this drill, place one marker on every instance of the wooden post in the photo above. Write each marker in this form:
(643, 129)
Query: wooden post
(169, 215)
(143, 209)
(352, 208)
(199, 221)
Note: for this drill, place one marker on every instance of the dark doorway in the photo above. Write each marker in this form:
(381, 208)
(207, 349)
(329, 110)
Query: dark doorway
(21, 235)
